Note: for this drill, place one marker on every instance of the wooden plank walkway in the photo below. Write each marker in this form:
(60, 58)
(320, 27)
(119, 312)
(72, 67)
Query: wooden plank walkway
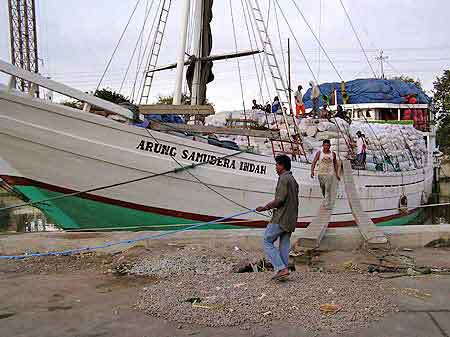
(371, 234)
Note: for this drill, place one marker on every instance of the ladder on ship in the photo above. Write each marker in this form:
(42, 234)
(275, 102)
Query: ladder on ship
(276, 74)
(152, 59)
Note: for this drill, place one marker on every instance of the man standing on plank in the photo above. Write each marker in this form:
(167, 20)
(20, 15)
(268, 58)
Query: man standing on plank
(328, 173)
(284, 219)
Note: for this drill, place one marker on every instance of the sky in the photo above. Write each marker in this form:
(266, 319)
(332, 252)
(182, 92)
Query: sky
(76, 40)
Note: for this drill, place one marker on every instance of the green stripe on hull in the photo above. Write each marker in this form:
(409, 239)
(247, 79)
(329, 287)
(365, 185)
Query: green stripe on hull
(79, 213)
(85, 214)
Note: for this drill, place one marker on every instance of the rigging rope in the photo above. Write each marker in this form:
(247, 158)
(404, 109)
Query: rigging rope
(238, 64)
(281, 43)
(146, 15)
(296, 41)
(154, 175)
(141, 84)
(359, 40)
(253, 56)
(200, 181)
(261, 59)
(320, 33)
(117, 45)
(317, 39)
(122, 242)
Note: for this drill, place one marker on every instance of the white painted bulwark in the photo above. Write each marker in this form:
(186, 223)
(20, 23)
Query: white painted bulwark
(69, 148)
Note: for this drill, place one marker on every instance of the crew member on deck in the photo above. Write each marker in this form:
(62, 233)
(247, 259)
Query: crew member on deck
(315, 94)
(276, 105)
(299, 106)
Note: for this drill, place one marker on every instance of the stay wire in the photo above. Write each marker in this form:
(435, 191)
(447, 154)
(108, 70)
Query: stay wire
(296, 41)
(318, 40)
(359, 40)
(253, 56)
(238, 65)
(117, 45)
(281, 42)
(261, 59)
(202, 182)
(141, 82)
(139, 39)
(320, 33)
(154, 175)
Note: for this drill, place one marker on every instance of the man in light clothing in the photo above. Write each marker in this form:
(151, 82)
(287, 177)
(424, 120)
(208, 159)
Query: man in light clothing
(284, 219)
(315, 94)
(299, 106)
(360, 151)
(327, 173)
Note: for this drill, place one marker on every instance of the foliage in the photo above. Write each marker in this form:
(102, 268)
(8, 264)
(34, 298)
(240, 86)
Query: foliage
(109, 95)
(73, 104)
(185, 99)
(106, 93)
(407, 79)
(441, 101)
(169, 99)
(5, 217)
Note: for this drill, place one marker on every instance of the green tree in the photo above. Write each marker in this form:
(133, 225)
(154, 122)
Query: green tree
(407, 79)
(169, 99)
(112, 96)
(441, 101)
(106, 93)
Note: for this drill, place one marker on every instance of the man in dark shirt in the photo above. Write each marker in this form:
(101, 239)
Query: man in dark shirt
(284, 219)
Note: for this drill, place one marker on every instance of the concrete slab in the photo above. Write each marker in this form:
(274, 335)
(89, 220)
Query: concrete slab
(442, 319)
(437, 286)
(400, 325)
(334, 239)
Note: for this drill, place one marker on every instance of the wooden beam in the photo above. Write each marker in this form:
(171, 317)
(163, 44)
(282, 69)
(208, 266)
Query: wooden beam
(64, 90)
(215, 130)
(168, 109)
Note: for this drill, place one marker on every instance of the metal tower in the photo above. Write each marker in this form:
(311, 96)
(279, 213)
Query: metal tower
(24, 51)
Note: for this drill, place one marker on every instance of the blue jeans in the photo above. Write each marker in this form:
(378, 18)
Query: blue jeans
(278, 257)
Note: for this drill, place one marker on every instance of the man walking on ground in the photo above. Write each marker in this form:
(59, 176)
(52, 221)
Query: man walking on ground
(327, 173)
(284, 219)
(299, 106)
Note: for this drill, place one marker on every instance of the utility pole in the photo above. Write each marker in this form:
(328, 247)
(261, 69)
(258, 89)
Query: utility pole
(23, 39)
(381, 59)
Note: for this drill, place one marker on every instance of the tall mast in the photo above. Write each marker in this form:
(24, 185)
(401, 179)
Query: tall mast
(197, 38)
(289, 77)
(181, 51)
(382, 58)
(23, 38)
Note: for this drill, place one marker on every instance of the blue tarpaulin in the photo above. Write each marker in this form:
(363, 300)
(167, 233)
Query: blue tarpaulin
(371, 91)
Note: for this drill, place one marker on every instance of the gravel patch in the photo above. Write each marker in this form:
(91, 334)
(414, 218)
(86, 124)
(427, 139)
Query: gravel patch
(200, 261)
(253, 298)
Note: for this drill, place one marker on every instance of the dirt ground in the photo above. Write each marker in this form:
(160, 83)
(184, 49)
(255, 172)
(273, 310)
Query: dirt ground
(93, 295)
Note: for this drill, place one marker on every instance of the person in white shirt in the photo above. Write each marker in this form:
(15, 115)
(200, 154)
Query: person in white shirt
(328, 173)
(360, 150)
(315, 94)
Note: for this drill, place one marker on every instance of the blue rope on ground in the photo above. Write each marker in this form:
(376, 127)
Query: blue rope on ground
(120, 242)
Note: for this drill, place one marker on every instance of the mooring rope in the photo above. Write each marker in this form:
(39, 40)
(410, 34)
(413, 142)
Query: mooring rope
(122, 242)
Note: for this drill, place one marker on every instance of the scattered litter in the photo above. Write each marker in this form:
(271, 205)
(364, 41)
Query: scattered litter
(262, 296)
(415, 293)
(206, 306)
(267, 313)
(439, 243)
(329, 308)
(408, 249)
(349, 265)
(236, 248)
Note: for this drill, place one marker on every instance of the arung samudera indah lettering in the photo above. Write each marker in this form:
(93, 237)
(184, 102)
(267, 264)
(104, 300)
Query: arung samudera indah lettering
(199, 157)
